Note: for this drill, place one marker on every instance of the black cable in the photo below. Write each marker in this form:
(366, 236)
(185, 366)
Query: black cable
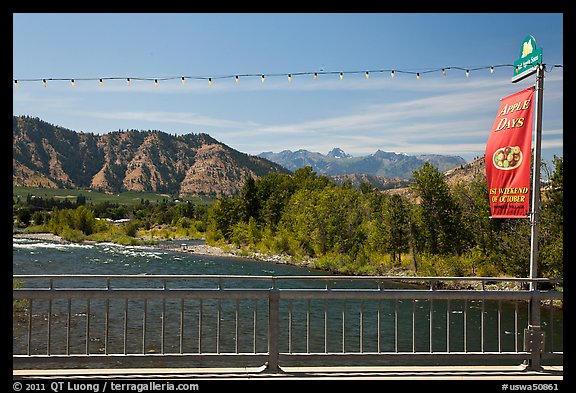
(183, 78)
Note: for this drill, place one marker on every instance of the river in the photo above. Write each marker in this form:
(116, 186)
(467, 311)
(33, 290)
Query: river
(47, 257)
(32, 256)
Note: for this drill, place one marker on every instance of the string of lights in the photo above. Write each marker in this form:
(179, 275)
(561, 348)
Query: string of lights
(236, 77)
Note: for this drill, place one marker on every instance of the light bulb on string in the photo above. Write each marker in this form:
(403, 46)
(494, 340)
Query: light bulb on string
(315, 75)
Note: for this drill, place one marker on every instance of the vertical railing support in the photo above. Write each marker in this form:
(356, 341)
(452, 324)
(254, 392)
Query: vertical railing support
(533, 334)
(273, 329)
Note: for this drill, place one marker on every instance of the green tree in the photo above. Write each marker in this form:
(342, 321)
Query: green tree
(306, 178)
(298, 222)
(325, 220)
(396, 224)
(83, 220)
(60, 219)
(24, 215)
(472, 198)
(511, 254)
(131, 228)
(442, 230)
(366, 188)
(274, 191)
(38, 217)
(551, 228)
(223, 215)
(248, 199)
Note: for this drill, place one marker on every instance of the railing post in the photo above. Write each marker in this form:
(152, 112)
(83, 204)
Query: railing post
(273, 329)
(533, 335)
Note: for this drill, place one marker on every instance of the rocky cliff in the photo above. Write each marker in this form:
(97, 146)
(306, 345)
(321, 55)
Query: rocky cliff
(45, 155)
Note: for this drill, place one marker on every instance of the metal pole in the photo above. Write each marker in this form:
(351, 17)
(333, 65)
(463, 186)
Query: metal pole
(273, 329)
(535, 214)
(534, 337)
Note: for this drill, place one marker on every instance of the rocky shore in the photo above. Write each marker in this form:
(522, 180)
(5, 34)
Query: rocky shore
(40, 236)
(175, 246)
(205, 249)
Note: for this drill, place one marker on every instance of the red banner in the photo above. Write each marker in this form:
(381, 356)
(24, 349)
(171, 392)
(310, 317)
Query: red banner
(508, 154)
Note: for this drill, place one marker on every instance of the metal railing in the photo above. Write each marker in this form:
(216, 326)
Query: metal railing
(103, 320)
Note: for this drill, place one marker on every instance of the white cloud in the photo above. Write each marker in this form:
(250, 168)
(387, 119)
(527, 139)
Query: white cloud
(160, 117)
(552, 143)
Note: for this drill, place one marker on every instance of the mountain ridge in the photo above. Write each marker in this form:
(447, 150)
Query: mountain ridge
(46, 155)
(381, 163)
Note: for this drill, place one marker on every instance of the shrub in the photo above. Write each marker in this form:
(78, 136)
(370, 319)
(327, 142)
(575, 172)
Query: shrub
(131, 228)
(487, 270)
(333, 262)
(125, 240)
(36, 229)
(73, 235)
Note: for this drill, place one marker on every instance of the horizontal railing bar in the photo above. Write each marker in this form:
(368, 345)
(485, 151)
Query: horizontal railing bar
(224, 293)
(284, 278)
(144, 276)
(295, 356)
(552, 355)
(418, 278)
(138, 293)
(141, 356)
(411, 294)
(404, 355)
(136, 360)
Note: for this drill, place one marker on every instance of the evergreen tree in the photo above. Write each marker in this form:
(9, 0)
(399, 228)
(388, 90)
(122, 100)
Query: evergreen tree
(396, 220)
(248, 199)
(551, 228)
(442, 231)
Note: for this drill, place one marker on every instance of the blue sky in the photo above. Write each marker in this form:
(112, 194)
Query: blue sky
(450, 114)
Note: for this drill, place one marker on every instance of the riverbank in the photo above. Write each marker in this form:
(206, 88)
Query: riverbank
(180, 246)
(177, 246)
(40, 236)
(229, 251)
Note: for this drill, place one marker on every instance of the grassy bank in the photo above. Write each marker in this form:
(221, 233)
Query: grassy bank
(122, 198)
